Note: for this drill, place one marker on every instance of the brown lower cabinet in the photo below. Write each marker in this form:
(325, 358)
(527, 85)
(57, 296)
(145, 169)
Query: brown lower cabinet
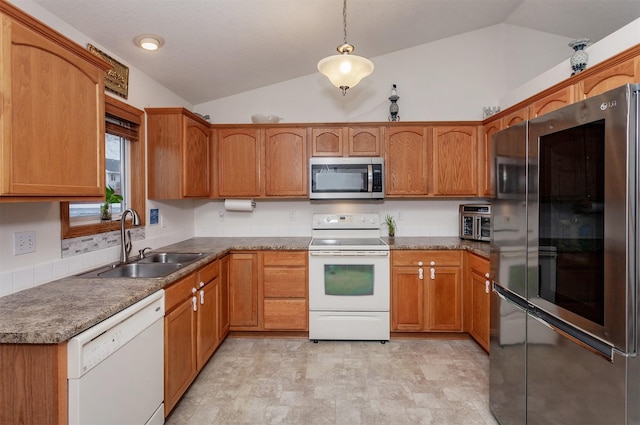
(426, 290)
(268, 291)
(284, 289)
(477, 298)
(194, 327)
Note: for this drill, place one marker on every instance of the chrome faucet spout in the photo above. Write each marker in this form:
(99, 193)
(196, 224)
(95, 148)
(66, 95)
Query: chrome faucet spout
(125, 247)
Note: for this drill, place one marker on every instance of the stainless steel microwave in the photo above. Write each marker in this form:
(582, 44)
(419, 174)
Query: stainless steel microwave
(346, 178)
(475, 222)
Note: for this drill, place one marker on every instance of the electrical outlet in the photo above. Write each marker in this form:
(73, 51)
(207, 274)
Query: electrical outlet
(24, 242)
(400, 216)
(220, 215)
(292, 216)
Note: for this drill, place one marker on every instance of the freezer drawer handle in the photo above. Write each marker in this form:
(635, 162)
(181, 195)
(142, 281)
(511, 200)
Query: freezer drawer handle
(577, 336)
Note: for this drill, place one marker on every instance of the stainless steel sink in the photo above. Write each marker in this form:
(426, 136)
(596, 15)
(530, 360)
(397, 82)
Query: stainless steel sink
(142, 270)
(134, 270)
(170, 258)
(155, 265)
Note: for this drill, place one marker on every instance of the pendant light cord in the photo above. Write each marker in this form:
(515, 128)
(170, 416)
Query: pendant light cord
(344, 20)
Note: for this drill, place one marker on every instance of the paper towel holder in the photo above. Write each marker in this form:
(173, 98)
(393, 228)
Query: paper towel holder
(244, 205)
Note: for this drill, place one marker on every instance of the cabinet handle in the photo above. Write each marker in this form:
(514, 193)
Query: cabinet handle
(433, 273)
(201, 296)
(486, 275)
(202, 283)
(420, 273)
(486, 286)
(194, 301)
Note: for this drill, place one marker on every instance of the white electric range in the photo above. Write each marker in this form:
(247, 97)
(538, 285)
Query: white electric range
(349, 278)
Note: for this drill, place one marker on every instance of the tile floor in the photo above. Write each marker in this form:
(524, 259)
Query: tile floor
(294, 381)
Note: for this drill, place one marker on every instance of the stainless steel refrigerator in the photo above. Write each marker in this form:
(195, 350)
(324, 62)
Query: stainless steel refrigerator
(564, 266)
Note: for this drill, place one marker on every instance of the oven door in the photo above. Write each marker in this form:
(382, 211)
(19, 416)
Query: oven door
(349, 281)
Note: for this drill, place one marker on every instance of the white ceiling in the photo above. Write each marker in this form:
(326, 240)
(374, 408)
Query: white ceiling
(217, 48)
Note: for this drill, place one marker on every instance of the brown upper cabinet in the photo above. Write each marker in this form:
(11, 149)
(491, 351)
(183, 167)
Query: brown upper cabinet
(179, 145)
(455, 160)
(488, 174)
(627, 71)
(346, 141)
(261, 162)
(432, 160)
(238, 158)
(52, 120)
(286, 162)
(406, 161)
(551, 102)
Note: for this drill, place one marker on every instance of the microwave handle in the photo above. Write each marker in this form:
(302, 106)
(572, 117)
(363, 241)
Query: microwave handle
(477, 228)
(370, 178)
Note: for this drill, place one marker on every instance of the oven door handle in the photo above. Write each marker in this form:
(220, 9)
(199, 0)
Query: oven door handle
(349, 253)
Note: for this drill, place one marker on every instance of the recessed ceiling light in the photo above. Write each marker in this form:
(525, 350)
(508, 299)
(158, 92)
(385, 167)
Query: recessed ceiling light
(148, 41)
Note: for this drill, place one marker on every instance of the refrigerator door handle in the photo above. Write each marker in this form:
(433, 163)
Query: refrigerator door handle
(573, 334)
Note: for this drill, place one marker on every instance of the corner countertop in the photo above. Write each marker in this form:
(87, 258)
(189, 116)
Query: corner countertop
(56, 311)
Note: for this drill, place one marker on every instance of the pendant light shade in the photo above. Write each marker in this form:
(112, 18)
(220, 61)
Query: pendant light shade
(345, 70)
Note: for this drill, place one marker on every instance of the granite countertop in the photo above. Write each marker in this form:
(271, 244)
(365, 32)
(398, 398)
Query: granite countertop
(56, 311)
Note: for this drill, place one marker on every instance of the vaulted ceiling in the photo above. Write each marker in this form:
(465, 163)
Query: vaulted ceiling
(217, 48)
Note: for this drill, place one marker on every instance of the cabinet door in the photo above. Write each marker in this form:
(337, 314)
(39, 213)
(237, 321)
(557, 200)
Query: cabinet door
(196, 157)
(489, 172)
(406, 161)
(609, 78)
(515, 117)
(223, 301)
(557, 100)
(286, 162)
(243, 290)
(180, 366)
(364, 141)
(444, 299)
(327, 142)
(407, 299)
(238, 160)
(52, 122)
(207, 321)
(480, 301)
(455, 160)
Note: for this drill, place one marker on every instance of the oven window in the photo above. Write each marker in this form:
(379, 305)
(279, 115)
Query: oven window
(348, 279)
(571, 221)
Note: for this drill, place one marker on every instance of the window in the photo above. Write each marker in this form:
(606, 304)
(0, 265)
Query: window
(125, 173)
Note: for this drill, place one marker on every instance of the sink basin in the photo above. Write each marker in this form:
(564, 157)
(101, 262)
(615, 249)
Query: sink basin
(141, 270)
(170, 258)
(135, 270)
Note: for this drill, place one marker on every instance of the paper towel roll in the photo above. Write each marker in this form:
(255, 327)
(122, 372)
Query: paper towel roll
(246, 205)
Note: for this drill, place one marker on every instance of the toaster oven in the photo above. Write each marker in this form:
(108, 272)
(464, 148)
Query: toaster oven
(475, 222)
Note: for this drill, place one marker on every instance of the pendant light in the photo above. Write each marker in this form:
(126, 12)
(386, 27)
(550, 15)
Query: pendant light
(345, 70)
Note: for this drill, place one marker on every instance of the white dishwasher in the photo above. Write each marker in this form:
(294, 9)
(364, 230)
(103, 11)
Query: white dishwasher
(115, 369)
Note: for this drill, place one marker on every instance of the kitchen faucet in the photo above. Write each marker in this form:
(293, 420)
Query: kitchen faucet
(125, 247)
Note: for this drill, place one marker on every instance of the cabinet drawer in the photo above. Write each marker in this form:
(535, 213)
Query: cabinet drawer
(175, 293)
(285, 314)
(285, 282)
(411, 258)
(285, 258)
(209, 272)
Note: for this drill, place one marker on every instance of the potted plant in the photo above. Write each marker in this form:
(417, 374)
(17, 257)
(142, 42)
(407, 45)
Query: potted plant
(110, 198)
(391, 224)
